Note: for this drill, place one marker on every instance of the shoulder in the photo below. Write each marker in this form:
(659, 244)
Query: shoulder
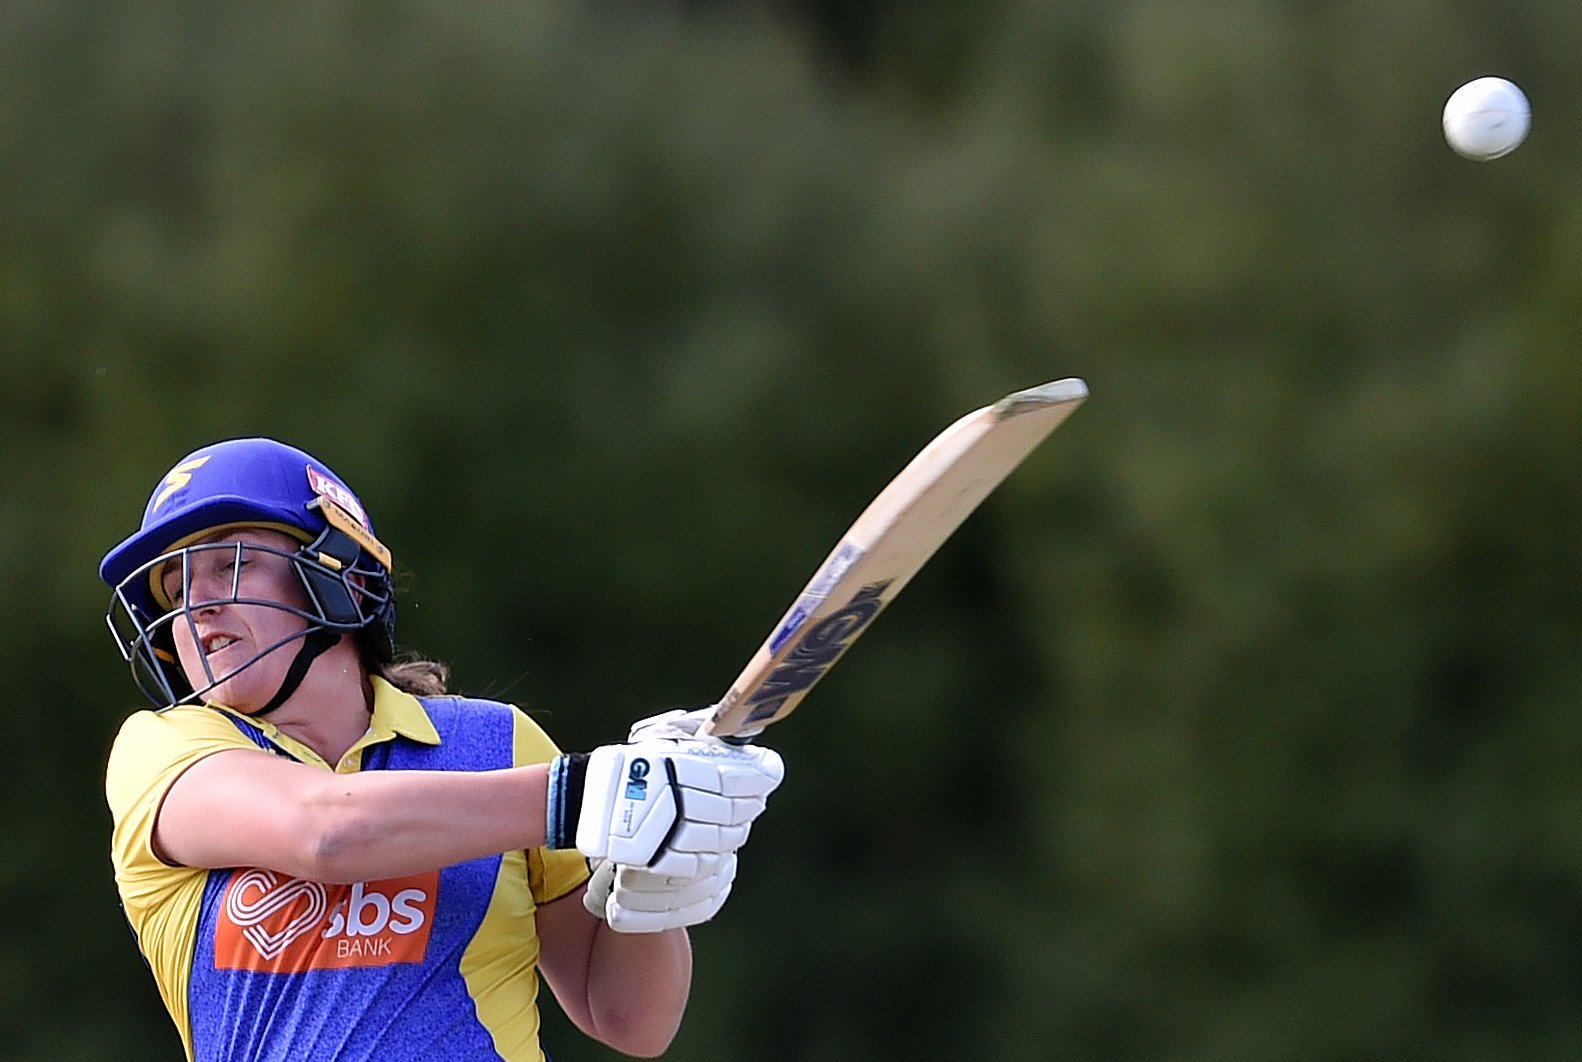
(451, 709)
(530, 743)
(149, 732)
(150, 752)
(151, 745)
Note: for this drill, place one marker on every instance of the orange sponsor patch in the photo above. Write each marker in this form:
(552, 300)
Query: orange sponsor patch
(271, 922)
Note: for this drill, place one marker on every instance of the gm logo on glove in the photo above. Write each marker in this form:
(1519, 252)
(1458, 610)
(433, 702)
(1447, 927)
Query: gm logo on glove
(637, 780)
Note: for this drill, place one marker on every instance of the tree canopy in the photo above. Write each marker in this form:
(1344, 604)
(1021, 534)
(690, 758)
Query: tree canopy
(1241, 722)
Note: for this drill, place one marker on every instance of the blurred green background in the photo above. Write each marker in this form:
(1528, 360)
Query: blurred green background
(1242, 723)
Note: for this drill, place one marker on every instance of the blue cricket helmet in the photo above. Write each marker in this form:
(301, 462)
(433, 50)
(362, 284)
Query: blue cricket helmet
(255, 482)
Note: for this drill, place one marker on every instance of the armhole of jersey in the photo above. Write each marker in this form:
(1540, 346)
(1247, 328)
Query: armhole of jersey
(153, 833)
(253, 734)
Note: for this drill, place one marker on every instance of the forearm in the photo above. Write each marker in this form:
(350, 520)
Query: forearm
(385, 824)
(637, 988)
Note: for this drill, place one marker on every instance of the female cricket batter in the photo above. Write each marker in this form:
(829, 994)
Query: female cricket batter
(326, 857)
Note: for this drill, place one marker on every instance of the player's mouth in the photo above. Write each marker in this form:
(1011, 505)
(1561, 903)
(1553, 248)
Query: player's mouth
(214, 643)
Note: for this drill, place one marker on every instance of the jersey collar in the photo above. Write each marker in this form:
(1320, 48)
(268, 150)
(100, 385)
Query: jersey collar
(400, 713)
(395, 713)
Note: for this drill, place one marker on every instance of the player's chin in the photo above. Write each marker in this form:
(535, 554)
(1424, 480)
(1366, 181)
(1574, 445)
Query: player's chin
(246, 691)
(253, 682)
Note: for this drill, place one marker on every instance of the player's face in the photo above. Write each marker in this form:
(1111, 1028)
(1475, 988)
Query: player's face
(226, 634)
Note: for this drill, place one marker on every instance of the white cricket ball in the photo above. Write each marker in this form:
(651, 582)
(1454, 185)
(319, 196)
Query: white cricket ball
(1486, 118)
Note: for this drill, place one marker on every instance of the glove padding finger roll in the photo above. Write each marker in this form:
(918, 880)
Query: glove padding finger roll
(696, 849)
(630, 802)
(681, 865)
(674, 725)
(690, 871)
(597, 892)
(636, 889)
(642, 901)
(679, 723)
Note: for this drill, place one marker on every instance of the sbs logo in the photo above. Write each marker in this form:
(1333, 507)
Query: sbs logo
(271, 922)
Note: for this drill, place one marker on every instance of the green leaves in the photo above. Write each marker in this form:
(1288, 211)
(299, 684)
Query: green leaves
(1244, 704)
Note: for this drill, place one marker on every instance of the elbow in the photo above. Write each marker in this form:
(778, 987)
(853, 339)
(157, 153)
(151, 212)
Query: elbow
(329, 845)
(637, 990)
(638, 1041)
(651, 1046)
(337, 854)
(324, 859)
(635, 1032)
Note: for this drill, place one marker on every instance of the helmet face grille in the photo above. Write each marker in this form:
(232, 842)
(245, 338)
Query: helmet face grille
(343, 571)
(340, 596)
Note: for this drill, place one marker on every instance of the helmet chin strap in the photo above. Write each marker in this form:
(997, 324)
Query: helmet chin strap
(314, 643)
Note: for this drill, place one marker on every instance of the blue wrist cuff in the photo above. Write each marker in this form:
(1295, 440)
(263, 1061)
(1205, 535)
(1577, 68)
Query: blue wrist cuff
(564, 804)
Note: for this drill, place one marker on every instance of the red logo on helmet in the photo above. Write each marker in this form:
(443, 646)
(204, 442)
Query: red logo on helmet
(325, 487)
(271, 922)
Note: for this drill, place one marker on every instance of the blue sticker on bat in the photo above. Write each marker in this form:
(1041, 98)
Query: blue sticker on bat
(823, 644)
(846, 554)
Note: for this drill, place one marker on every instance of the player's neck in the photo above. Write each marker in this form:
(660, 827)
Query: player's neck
(330, 709)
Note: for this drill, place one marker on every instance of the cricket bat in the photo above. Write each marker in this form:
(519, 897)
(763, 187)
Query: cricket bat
(890, 542)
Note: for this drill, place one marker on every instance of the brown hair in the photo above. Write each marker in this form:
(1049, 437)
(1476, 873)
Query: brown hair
(412, 674)
(406, 671)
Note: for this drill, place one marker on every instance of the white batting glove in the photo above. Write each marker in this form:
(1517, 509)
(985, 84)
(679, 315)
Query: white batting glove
(680, 723)
(633, 900)
(670, 806)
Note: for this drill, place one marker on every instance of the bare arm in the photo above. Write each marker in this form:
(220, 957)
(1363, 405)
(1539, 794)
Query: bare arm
(627, 990)
(245, 808)
(254, 809)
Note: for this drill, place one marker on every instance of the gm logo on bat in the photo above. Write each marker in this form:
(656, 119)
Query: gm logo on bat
(820, 647)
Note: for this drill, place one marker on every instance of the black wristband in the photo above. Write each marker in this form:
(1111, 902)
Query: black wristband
(564, 799)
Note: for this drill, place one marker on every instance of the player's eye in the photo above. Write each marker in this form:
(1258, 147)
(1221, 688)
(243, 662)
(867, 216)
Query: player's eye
(231, 559)
(172, 585)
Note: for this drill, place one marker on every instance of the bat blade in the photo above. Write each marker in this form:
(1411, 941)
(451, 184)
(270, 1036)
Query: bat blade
(890, 542)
